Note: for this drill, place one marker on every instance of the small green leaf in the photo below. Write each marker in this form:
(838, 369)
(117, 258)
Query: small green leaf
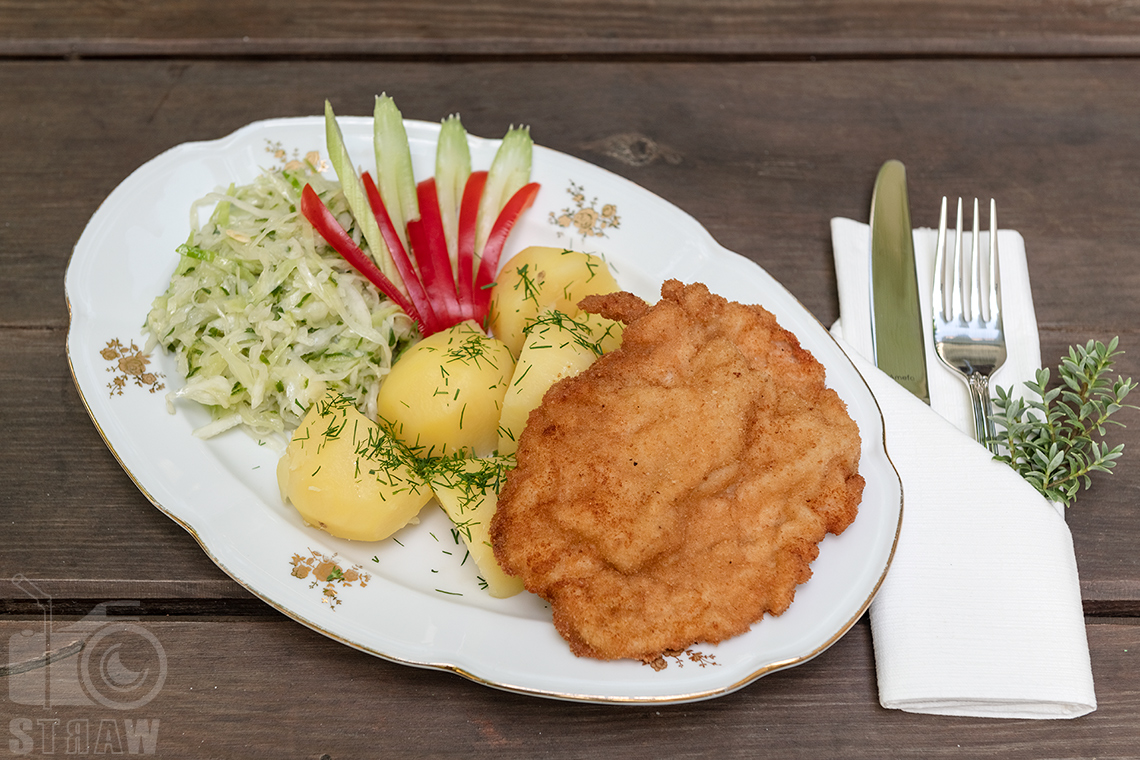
(1047, 437)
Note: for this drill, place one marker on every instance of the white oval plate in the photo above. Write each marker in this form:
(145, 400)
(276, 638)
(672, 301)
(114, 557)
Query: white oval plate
(411, 599)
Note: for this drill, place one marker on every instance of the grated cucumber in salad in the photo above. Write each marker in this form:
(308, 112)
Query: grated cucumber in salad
(263, 317)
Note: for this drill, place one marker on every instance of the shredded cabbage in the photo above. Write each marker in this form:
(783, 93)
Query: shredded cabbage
(264, 317)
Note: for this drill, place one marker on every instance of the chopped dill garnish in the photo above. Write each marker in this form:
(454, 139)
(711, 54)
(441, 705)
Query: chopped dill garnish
(471, 351)
(592, 265)
(531, 287)
(579, 330)
(519, 379)
(470, 480)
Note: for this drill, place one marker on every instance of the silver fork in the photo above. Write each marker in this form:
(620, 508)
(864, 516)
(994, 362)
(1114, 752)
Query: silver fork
(968, 334)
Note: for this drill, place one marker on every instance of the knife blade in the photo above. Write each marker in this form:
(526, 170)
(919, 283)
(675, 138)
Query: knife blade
(896, 323)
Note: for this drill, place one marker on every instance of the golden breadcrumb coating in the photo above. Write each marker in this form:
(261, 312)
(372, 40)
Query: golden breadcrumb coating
(676, 490)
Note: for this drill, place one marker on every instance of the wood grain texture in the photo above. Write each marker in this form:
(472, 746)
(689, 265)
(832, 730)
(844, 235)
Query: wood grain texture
(265, 689)
(69, 510)
(550, 28)
(763, 154)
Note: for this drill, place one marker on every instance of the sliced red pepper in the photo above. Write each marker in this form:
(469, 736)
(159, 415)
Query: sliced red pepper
(496, 239)
(428, 243)
(329, 228)
(468, 212)
(437, 297)
(433, 322)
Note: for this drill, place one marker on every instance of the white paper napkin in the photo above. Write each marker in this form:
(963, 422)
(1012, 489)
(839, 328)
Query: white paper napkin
(980, 614)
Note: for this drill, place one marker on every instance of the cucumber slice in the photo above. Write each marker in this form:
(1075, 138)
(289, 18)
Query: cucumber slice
(452, 168)
(395, 179)
(353, 189)
(509, 171)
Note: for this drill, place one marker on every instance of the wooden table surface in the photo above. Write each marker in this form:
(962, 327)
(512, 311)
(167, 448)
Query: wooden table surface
(762, 119)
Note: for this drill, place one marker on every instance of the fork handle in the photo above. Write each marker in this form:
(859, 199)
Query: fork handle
(983, 409)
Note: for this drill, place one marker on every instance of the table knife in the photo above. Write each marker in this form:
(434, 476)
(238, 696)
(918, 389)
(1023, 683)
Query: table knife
(897, 330)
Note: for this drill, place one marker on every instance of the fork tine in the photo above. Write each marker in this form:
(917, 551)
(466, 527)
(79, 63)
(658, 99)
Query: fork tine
(942, 265)
(984, 277)
(971, 274)
(994, 289)
(957, 303)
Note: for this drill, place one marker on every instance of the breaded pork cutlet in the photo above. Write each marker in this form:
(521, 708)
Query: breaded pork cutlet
(676, 491)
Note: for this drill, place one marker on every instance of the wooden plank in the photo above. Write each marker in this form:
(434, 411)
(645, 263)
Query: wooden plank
(723, 28)
(70, 511)
(225, 694)
(762, 154)
(1104, 536)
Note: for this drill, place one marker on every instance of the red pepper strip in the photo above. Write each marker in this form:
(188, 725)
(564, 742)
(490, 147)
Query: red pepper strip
(431, 322)
(426, 238)
(326, 224)
(468, 212)
(496, 239)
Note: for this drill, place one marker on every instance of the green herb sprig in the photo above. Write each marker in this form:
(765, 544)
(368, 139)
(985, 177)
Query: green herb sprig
(1055, 440)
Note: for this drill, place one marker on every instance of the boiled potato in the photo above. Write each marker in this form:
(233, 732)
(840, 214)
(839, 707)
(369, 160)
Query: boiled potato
(347, 476)
(538, 278)
(556, 346)
(468, 491)
(444, 394)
